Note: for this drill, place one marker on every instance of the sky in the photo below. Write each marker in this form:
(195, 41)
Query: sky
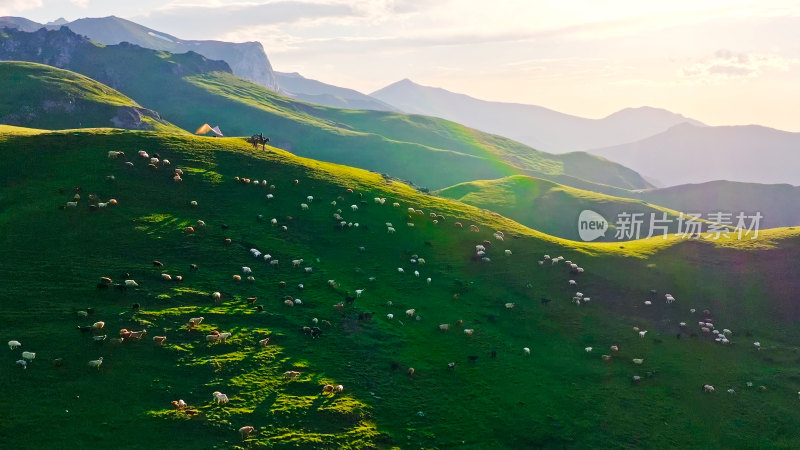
(723, 62)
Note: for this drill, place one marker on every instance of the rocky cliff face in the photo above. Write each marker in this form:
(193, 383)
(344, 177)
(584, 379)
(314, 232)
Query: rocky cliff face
(247, 60)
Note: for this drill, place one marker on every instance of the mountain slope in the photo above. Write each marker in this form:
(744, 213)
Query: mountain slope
(247, 60)
(313, 91)
(536, 126)
(189, 90)
(42, 96)
(19, 23)
(550, 207)
(689, 154)
(778, 203)
(54, 257)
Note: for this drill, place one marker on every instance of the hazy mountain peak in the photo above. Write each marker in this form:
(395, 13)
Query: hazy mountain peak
(533, 125)
(57, 22)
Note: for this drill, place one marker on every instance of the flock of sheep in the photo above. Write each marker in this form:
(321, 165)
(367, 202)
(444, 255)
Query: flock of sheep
(481, 254)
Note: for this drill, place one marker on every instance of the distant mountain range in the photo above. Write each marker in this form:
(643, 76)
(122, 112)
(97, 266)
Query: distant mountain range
(536, 126)
(189, 90)
(296, 86)
(690, 154)
(247, 60)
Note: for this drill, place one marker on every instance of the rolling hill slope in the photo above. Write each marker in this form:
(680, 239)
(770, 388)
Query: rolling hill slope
(689, 154)
(42, 96)
(550, 207)
(189, 90)
(533, 125)
(558, 396)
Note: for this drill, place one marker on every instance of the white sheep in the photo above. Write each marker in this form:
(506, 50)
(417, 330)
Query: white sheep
(573, 283)
(246, 270)
(526, 350)
(28, 356)
(310, 198)
(304, 206)
(708, 388)
(270, 196)
(428, 280)
(95, 364)
(274, 221)
(267, 257)
(297, 262)
(308, 269)
(411, 312)
(390, 316)
(588, 349)
(469, 331)
(508, 252)
(390, 230)
(638, 360)
(400, 270)
(757, 345)
(510, 306)
(396, 205)
(131, 283)
(14, 345)
(642, 333)
(216, 296)
(354, 207)
(359, 292)
(416, 273)
(220, 398)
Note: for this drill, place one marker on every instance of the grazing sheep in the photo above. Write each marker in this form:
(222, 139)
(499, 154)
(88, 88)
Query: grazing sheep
(400, 270)
(97, 326)
(180, 405)
(303, 206)
(263, 342)
(95, 364)
(606, 357)
(526, 350)
(166, 277)
(28, 356)
(214, 337)
(194, 321)
(219, 397)
(13, 345)
(731, 391)
(327, 388)
(469, 331)
(291, 374)
(22, 363)
(339, 388)
(411, 312)
(390, 316)
(642, 333)
(237, 278)
(614, 348)
(216, 296)
(131, 283)
(354, 207)
(708, 388)
(159, 340)
(757, 345)
(638, 360)
(288, 302)
(444, 326)
(588, 349)
(510, 305)
(410, 372)
(648, 302)
(573, 283)
(636, 378)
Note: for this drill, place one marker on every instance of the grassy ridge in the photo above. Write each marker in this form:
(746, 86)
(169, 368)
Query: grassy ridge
(550, 207)
(559, 396)
(42, 96)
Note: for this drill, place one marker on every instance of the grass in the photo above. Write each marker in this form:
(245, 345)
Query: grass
(560, 396)
(41, 96)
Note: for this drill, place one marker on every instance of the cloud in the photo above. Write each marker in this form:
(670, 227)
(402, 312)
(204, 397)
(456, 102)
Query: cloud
(10, 7)
(726, 65)
(80, 3)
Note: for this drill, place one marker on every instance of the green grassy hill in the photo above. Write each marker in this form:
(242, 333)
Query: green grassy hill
(189, 90)
(39, 96)
(550, 207)
(558, 396)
